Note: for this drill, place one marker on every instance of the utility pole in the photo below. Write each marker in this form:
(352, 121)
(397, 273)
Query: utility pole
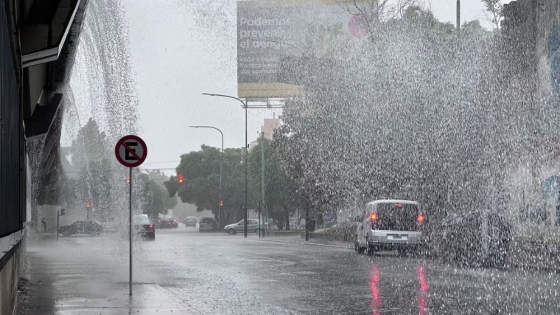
(262, 179)
(245, 106)
(458, 16)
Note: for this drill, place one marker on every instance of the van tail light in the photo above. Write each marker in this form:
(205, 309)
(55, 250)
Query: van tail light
(374, 217)
(151, 226)
(421, 218)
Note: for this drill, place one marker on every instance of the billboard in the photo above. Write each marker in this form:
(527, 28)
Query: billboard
(269, 31)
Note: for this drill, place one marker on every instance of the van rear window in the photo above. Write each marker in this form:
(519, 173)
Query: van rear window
(396, 216)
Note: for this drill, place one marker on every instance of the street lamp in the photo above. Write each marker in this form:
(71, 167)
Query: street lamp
(246, 156)
(221, 166)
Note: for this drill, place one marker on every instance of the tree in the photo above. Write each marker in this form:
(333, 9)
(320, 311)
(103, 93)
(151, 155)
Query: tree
(157, 200)
(405, 119)
(91, 144)
(372, 13)
(98, 174)
(201, 178)
(495, 11)
(281, 193)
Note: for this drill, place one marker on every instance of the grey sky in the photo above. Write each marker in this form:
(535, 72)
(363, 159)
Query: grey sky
(177, 56)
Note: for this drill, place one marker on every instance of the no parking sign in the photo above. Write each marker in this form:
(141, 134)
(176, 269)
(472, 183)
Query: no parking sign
(131, 151)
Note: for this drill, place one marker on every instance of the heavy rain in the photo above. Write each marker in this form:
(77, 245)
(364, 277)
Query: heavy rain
(280, 157)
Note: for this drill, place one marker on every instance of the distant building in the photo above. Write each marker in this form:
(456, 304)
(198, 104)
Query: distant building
(267, 129)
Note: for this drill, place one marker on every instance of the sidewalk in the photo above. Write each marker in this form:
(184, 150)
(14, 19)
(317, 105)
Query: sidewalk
(297, 239)
(65, 277)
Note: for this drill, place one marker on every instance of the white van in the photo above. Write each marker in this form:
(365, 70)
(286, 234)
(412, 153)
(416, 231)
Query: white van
(390, 225)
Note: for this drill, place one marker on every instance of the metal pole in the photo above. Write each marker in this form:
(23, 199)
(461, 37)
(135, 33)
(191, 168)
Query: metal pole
(220, 189)
(307, 223)
(246, 173)
(458, 16)
(130, 233)
(57, 223)
(245, 105)
(262, 175)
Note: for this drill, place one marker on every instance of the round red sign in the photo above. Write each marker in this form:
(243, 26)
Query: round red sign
(131, 151)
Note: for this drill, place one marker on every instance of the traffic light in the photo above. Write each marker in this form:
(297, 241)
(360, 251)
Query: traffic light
(221, 203)
(128, 179)
(180, 178)
(88, 204)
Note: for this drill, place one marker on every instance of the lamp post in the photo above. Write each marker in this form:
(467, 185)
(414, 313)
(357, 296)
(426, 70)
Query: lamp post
(458, 16)
(246, 156)
(245, 106)
(221, 167)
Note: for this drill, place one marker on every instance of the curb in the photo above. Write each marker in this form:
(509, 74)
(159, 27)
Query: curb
(305, 243)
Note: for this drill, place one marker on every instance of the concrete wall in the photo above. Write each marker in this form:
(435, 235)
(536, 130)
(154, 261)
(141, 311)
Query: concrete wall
(535, 88)
(10, 274)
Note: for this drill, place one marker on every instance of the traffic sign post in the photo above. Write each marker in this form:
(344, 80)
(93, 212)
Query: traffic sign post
(131, 151)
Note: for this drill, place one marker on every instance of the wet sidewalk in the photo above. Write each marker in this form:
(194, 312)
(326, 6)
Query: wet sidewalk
(63, 277)
(297, 239)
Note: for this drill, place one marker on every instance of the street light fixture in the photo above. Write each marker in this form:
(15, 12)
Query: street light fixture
(221, 167)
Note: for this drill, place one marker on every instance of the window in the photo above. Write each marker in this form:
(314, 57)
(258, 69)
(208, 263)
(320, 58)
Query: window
(397, 217)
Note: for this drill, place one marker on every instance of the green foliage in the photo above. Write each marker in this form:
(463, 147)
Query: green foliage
(406, 119)
(281, 193)
(201, 173)
(96, 166)
(157, 200)
(495, 11)
(172, 185)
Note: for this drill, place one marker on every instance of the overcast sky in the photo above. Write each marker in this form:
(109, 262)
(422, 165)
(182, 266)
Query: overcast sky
(181, 49)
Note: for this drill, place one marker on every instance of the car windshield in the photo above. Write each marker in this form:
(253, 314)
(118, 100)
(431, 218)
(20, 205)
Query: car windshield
(280, 156)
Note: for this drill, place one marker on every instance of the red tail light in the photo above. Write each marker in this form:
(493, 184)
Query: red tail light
(421, 218)
(373, 216)
(151, 226)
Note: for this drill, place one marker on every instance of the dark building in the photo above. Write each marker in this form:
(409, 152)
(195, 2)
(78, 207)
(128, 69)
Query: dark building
(38, 40)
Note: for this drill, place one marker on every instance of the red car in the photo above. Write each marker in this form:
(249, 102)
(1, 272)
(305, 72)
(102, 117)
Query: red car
(169, 223)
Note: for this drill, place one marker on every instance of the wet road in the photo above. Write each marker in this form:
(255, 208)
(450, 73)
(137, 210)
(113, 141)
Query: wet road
(201, 273)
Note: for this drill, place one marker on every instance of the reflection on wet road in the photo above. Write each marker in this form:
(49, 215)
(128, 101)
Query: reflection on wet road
(198, 273)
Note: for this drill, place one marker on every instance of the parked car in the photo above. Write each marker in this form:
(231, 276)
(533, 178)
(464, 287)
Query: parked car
(207, 224)
(252, 226)
(81, 227)
(169, 223)
(190, 221)
(390, 225)
(144, 227)
(478, 238)
(156, 223)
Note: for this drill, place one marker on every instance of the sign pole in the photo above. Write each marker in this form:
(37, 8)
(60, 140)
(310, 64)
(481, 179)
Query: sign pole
(130, 151)
(57, 223)
(130, 232)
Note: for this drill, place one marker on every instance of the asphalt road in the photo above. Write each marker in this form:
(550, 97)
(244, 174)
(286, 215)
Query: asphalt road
(206, 273)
